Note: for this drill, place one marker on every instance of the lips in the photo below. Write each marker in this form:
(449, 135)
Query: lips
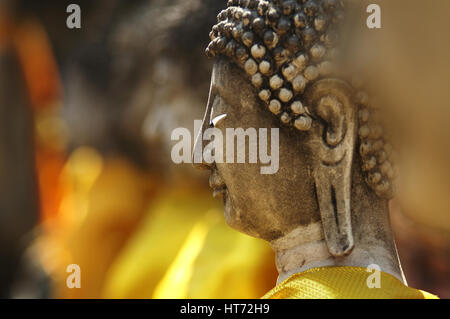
(221, 191)
(217, 184)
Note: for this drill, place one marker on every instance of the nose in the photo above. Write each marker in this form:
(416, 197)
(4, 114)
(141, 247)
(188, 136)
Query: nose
(197, 154)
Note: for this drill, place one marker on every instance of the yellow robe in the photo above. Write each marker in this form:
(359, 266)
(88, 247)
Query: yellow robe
(184, 249)
(343, 283)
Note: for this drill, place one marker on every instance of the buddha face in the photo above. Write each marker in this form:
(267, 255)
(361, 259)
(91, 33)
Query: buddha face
(265, 206)
(316, 112)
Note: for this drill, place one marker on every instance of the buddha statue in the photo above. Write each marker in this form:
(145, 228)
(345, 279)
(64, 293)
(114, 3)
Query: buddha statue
(280, 64)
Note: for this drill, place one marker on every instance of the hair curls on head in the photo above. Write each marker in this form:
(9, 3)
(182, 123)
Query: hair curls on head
(286, 45)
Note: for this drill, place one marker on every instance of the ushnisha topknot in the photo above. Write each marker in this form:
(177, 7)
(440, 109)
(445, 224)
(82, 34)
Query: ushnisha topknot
(286, 45)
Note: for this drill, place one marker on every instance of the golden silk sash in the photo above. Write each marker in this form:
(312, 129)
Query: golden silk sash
(343, 283)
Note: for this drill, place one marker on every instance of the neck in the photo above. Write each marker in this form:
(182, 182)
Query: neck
(298, 258)
(305, 247)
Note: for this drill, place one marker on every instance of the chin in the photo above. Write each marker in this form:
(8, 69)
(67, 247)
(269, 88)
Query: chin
(233, 217)
(230, 214)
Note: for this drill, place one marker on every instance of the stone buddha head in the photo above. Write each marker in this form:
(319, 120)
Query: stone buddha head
(278, 65)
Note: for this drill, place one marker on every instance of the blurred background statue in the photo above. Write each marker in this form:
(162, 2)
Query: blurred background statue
(137, 226)
(406, 64)
(18, 199)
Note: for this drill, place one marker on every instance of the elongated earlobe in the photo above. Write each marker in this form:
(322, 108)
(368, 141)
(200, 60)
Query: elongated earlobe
(332, 141)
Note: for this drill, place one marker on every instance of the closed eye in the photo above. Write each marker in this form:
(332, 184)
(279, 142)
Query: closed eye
(217, 119)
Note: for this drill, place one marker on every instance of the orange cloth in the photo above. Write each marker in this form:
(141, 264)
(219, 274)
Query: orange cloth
(30, 43)
(38, 64)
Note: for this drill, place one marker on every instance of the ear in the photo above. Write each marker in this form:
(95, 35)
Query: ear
(332, 142)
